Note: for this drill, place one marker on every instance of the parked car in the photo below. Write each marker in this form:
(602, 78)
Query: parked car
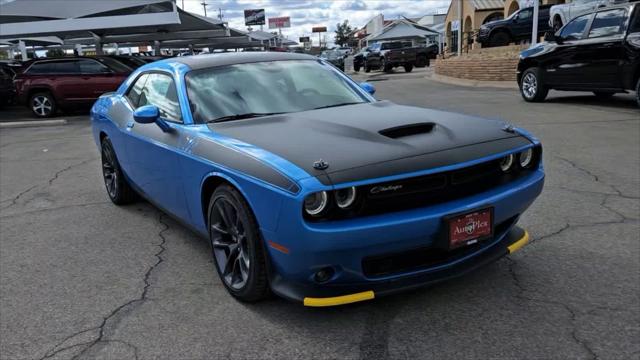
(515, 28)
(7, 90)
(344, 51)
(334, 57)
(133, 62)
(388, 55)
(598, 51)
(563, 13)
(358, 59)
(307, 186)
(47, 85)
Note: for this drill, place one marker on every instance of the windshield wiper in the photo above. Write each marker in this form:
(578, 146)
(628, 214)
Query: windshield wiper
(336, 105)
(240, 117)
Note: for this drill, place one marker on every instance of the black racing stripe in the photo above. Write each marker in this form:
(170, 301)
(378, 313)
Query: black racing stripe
(233, 159)
(425, 161)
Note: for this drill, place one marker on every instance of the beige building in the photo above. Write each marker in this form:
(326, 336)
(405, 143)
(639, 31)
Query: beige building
(478, 12)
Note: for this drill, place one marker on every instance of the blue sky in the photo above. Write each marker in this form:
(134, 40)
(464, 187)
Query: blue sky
(308, 13)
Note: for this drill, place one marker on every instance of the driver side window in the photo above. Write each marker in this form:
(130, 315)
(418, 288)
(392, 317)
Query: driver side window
(575, 29)
(160, 90)
(525, 14)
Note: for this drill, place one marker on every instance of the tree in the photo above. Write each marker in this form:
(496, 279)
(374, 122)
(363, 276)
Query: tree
(55, 53)
(342, 33)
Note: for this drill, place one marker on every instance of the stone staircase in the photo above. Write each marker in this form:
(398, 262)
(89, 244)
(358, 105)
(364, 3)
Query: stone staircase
(482, 64)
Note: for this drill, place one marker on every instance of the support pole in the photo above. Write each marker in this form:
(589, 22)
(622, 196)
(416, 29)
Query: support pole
(79, 49)
(534, 33)
(156, 48)
(460, 5)
(23, 50)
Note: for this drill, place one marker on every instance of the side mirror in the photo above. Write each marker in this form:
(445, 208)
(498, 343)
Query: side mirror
(549, 36)
(368, 88)
(147, 114)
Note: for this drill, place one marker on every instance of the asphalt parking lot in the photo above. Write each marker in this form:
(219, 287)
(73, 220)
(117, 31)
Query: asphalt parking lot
(82, 278)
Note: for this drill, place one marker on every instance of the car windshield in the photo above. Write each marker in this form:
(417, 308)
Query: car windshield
(266, 88)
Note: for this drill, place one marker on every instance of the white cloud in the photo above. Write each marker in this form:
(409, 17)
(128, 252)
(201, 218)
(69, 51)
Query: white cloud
(308, 13)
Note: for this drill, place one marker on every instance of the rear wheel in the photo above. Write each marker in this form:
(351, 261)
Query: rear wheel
(42, 104)
(408, 68)
(500, 38)
(116, 184)
(237, 246)
(532, 87)
(603, 94)
(557, 24)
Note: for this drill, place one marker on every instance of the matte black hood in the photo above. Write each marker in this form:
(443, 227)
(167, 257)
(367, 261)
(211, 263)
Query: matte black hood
(372, 140)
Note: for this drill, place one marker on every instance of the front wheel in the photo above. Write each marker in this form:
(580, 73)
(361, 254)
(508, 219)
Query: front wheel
(42, 104)
(408, 68)
(367, 67)
(237, 246)
(500, 38)
(385, 65)
(356, 68)
(532, 87)
(116, 184)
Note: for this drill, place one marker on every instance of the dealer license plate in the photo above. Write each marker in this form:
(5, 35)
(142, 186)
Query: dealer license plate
(469, 228)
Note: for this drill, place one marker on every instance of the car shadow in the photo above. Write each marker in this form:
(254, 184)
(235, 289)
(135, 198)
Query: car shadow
(618, 101)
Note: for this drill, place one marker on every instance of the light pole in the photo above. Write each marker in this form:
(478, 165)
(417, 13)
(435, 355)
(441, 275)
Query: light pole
(534, 33)
(460, 5)
(204, 6)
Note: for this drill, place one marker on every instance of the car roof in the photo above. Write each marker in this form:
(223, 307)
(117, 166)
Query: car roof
(196, 62)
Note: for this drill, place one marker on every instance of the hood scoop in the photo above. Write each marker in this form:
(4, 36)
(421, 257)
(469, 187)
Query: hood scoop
(408, 130)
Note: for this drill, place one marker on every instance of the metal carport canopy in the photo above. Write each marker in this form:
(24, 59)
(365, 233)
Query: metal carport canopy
(402, 29)
(105, 20)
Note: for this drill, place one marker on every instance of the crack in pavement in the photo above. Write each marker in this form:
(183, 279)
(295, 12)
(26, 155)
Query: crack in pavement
(127, 306)
(14, 200)
(584, 344)
(58, 173)
(55, 208)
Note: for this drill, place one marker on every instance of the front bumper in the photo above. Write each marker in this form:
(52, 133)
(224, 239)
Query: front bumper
(345, 245)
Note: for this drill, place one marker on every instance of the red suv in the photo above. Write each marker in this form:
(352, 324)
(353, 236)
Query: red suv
(49, 84)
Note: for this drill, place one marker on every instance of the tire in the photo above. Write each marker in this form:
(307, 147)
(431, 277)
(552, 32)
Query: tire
(236, 245)
(384, 66)
(603, 94)
(367, 67)
(532, 86)
(422, 61)
(118, 189)
(42, 104)
(638, 92)
(356, 68)
(557, 24)
(499, 38)
(408, 68)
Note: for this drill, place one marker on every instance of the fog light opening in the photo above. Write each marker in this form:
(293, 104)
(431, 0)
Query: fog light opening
(324, 275)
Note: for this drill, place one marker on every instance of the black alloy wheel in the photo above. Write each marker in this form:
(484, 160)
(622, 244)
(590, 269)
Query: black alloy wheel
(500, 38)
(408, 68)
(237, 246)
(116, 184)
(384, 65)
(532, 86)
(557, 24)
(42, 104)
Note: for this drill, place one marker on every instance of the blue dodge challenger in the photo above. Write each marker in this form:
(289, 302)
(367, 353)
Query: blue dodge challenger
(307, 186)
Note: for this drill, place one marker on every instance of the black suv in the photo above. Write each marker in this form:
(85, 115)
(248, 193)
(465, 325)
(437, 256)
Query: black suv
(515, 28)
(598, 52)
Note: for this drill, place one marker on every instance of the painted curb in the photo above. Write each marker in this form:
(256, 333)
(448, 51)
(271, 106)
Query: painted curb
(21, 124)
(473, 83)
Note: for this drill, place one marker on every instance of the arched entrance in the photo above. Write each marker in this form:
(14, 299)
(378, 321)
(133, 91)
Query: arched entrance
(513, 7)
(467, 35)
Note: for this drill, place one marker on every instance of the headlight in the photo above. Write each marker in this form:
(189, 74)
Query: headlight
(526, 158)
(506, 163)
(316, 203)
(345, 197)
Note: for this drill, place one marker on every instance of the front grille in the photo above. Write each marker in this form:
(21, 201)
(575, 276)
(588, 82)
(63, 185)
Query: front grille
(425, 257)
